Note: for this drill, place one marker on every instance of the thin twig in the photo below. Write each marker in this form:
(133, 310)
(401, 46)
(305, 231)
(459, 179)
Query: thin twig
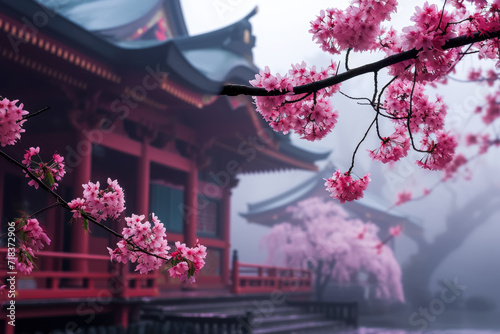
(36, 113)
(53, 205)
(441, 18)
(359, 144)
(410, 114)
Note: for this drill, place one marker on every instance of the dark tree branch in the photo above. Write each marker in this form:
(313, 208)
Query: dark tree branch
(233, 89)
(36, 113)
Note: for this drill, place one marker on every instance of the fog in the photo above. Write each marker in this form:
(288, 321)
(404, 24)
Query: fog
(282, 38)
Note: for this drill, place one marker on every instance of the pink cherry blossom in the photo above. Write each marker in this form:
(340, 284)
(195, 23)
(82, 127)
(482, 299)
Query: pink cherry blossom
(403, 197)
(46, 172)
(11, 121)
(319, 230)
(441, 151)
(179, 270)
(392, 148)
(32, 240)
(452, 168)
(193, 257)
(140, 236)
(344, 187)
(145, 243)
(395, 230)
(356, 28)
(492, 110)
(100, 204)
(311, 116)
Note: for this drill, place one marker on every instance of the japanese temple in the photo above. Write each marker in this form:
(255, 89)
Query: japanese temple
(132, 97)
(370, 208)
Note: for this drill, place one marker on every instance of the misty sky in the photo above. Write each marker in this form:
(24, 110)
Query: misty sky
(282, 38)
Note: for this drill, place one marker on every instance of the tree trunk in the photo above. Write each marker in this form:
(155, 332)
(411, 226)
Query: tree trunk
(460, 224)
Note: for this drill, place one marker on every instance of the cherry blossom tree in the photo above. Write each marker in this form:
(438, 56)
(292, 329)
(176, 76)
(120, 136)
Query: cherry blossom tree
(413, 60)
(142, 242)
(336, 247)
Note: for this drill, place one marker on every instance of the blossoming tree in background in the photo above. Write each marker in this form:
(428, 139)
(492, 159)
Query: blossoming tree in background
(413, 59)
(337, 248)
(141, 241)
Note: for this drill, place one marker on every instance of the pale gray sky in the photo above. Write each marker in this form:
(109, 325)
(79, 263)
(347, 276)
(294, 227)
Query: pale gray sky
(281, 28)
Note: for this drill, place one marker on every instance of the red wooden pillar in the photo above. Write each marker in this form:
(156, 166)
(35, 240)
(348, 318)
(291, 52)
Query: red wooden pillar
(226, 234)
(51, 220)
(143, 179)
(191, 206)
(8, 328)
(121, 316)
(80, 237)
(235, 288)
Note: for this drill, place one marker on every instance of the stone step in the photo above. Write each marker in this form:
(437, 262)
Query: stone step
(289, 318)
(306, 327)
(230, 308)
(273, 319)
(202, 306)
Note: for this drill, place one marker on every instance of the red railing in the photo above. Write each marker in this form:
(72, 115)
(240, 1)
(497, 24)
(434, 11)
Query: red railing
(111, 281)
(253, 278)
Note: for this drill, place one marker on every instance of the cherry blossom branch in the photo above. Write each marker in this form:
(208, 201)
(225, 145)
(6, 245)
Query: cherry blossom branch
(359, 144)
(358, 98)
(347, 58)
(408, 118)
(234, 89)
(441, 17)
(36, 113)
(53, 205)
(64, 204)
(375, 89)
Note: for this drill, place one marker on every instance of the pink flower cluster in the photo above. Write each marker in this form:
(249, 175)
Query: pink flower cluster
(343, 187)
(406, 102)
(48, 172)
(32, 239)
(492, 110)
(395, 230)
(403, 197)
(139, 236)
(147, 244)
(426, 116)
(357, 27)
(392, 148)
(441, 151)
(429, 34)
(483, 141)
(310, 115)
(452, 168)
(100, 204)
(187, 262)
(432, 28)
(11, 121)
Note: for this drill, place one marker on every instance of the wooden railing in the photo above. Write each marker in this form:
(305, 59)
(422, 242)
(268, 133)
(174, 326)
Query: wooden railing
(252, 278)
(114, 281)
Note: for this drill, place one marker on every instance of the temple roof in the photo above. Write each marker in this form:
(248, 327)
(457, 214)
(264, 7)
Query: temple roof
(118, 40)
(203, 63)
(128, 15)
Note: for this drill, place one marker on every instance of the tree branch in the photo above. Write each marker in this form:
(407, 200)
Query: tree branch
(233, 89)
(65, 205)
